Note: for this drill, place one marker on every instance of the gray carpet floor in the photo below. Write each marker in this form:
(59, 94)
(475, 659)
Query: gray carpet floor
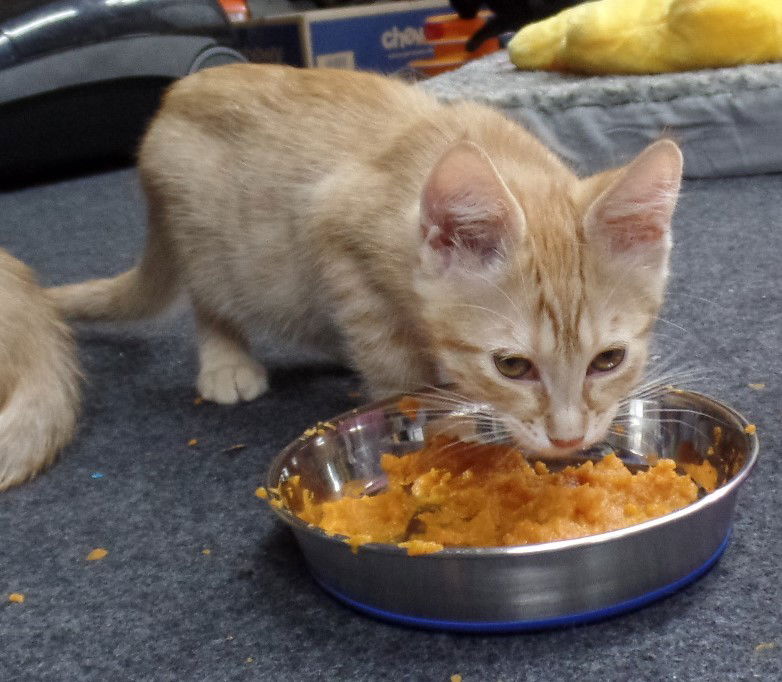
(201, 582)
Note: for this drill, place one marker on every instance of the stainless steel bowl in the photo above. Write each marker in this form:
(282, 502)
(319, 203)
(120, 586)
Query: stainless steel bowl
(521, 587)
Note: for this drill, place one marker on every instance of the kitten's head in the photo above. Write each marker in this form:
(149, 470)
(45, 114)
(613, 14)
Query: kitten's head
(540, 293)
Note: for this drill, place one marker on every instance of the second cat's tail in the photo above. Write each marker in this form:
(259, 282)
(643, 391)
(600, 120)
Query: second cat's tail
(143, 291)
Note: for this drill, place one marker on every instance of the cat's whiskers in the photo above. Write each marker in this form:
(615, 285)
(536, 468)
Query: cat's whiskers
(697, 413)
(446, 391)
(461, 444)
(670, 368)
(659, 318)
(698, 298)
(648, 409)
(663, 381)
(689, 426)
(658, 336)
(441, 394)
(430, 413)
(452, 412)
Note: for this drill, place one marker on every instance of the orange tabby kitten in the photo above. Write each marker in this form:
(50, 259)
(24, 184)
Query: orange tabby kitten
(423, 242)
(38, 376)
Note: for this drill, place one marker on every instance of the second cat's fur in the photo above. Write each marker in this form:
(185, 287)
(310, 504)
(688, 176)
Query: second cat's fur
(420, 242)
(39, 395)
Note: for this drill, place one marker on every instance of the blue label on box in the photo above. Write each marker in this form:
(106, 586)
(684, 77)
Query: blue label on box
(381, 42)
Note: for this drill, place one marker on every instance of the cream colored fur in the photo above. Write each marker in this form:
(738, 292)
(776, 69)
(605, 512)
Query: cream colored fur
(39, 395)
(416, 241)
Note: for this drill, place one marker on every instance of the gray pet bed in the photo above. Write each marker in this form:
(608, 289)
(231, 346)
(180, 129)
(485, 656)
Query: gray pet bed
(727, 121)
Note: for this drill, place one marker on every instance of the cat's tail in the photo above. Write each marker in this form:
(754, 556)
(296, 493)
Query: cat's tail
(39, 399)
(38, 417)
(143, 291)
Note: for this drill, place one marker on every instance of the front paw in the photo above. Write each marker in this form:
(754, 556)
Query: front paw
(230, 384)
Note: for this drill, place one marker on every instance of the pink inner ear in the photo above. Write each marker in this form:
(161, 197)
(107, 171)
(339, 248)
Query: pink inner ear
(638, 227)
(464, 205)
(636, 211)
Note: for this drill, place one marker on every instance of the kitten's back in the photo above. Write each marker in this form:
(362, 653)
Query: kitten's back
(274, 142)
(299, 124)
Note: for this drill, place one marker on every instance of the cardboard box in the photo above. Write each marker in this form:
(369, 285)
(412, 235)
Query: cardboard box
(387, 37)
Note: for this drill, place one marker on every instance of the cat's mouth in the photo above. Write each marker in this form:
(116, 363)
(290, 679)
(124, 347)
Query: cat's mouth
(487, 425)
(534, 442)
(561, 452)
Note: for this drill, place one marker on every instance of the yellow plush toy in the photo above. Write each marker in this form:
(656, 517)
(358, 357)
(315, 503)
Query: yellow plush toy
(652, 36)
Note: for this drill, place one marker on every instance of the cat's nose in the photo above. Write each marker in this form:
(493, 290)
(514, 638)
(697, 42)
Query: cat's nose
(571, 443)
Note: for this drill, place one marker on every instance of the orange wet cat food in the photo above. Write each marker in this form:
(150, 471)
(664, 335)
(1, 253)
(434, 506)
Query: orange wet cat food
(704, 474)
(454, 494)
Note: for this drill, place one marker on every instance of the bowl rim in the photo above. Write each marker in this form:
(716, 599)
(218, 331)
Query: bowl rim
(707, 500)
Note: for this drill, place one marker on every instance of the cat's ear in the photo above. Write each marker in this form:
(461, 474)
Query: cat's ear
(631, 220)
(468, 216)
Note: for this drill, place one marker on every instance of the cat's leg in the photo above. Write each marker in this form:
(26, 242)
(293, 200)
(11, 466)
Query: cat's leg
(228, 374)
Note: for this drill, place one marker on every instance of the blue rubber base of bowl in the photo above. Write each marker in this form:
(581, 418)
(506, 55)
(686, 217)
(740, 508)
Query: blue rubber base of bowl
(532, 625)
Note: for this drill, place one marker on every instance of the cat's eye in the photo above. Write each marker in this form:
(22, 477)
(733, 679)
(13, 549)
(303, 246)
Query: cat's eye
(514, 366)
(607, 360)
